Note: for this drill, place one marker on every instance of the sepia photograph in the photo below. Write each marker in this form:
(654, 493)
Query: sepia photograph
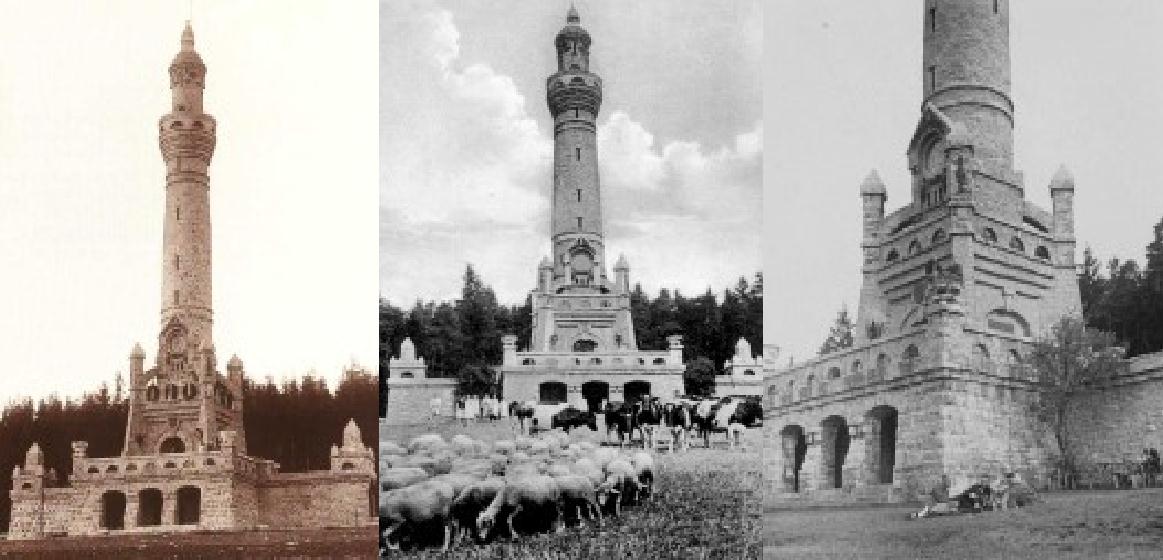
(969, 340)
(189, 257)
(571, 279)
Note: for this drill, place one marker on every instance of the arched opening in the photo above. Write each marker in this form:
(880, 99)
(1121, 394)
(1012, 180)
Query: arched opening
(914, 247)
(881, 443)
(585, 345)
(551, 392)
(1042, 253)
(938, 236)
(152, 392)
(172, 445)
(835, 450)
(1017, 245)
(113, 510)
(372, 494)
(989, 235)
(635, 390)
(189, 505)
(594, 393)
(893, 255)
(795, 449)
(149, 507)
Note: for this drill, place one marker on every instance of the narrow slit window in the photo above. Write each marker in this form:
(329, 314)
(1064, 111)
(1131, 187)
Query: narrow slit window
(579, 226)
(176, 297)
(932, 79)
(177, 262)
(178, 212)
(577, 152)
(933, 17)
(575, 113)
(995, 2)
(579, 195)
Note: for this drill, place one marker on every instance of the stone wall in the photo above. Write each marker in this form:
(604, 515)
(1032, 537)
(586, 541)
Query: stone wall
(1119, 421)
(410, 402)
(525, 386)
(315, 500)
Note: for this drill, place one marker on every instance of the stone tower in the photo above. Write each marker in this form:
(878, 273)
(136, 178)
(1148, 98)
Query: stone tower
(578, 268)
(957, 283)
(183, 403)
(582, 347)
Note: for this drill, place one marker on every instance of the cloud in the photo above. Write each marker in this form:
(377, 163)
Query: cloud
(466, 174)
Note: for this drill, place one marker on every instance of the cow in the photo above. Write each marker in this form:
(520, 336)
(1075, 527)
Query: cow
(649, 416)
(542, 416)
(728, 415)
(678, 418)
(520, 412)
(571, 417)
(620, 417)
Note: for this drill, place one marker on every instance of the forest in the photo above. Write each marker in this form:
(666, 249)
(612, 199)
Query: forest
(294, 423)
(462, 339)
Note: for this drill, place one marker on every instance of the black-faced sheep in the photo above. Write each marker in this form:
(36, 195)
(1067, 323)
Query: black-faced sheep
(643, 464)
(472, 501)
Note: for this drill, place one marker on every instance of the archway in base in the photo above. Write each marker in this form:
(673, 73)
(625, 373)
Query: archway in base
(113, 510)
(594, 392)
(795, 448)
(149, 507)
(551, 392)
(635, 390)
(835, 450)
(172, 445)
(189, 505)
(881, 443)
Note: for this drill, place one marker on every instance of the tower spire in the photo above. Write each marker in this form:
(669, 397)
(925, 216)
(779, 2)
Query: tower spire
(571, 16)
(188, 38)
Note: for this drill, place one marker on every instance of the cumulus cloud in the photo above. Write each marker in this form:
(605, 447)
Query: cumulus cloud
(467, 170)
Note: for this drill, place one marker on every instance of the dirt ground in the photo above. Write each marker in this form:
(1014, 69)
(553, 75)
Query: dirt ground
(1100, 524)
(706, 505)
(343, 544)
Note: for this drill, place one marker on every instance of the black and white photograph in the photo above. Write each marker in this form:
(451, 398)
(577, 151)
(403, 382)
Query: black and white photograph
(571, 279)
(964, 251)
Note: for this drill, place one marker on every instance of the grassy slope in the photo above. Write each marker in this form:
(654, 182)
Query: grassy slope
(1111, 524)
(706, 505)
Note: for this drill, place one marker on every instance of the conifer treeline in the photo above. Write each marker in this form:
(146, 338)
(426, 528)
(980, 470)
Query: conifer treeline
(462, 339)
(1125, 299)
(294, 423)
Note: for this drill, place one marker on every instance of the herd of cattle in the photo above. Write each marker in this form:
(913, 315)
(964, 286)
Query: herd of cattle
(465, 487)
(650, 419)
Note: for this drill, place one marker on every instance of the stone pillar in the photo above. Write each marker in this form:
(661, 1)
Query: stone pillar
(509, 347)
(810, 478)
(855, 467)
(169, 506)
(573, 396)
(131, 509)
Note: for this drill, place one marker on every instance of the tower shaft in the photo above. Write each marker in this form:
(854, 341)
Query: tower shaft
(187, 137)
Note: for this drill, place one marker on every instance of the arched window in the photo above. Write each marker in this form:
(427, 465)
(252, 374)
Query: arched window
(1017, 245)
(152, 392)
(938, 236)
(585, 346)
(810, 386)
(1042, 253)
(882, 366)
(914, 247)
(834, 373)
(149, 507)
(893, 255)
(189, 509)
(989, 235)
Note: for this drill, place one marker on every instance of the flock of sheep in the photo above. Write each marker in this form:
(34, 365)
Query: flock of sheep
(466, 487)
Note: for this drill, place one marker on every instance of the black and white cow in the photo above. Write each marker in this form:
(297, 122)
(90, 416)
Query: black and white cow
(571, 417)
(620, 417)
(678, 417)
(649, 416)
(729, 415)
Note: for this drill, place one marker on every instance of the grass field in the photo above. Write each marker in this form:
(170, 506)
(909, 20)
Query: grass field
(1102, 524)
(706, 505)
(260, 545)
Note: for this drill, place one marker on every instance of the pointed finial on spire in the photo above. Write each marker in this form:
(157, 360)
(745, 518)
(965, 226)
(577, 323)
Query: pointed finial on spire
(872, 185)
(572, 16)
(1063, 179)
(188, 38)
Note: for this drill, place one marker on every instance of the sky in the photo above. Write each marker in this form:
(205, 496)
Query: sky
(842, 93)
(466, 141)
(292, 185)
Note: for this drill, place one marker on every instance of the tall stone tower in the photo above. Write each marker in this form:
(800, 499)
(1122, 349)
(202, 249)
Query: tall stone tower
(578, 312)
(957, 283)
(183, 403)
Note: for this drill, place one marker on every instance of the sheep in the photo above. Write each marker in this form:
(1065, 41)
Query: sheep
(472, 501)
(603, 456)
(558, 470)
(420, 504)
(505, 446)
(586, 467)
(621, 482)
(579, 492)
(643, 464)
(391, 479)
(458, 481)
(429, 442)
(523, 493)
